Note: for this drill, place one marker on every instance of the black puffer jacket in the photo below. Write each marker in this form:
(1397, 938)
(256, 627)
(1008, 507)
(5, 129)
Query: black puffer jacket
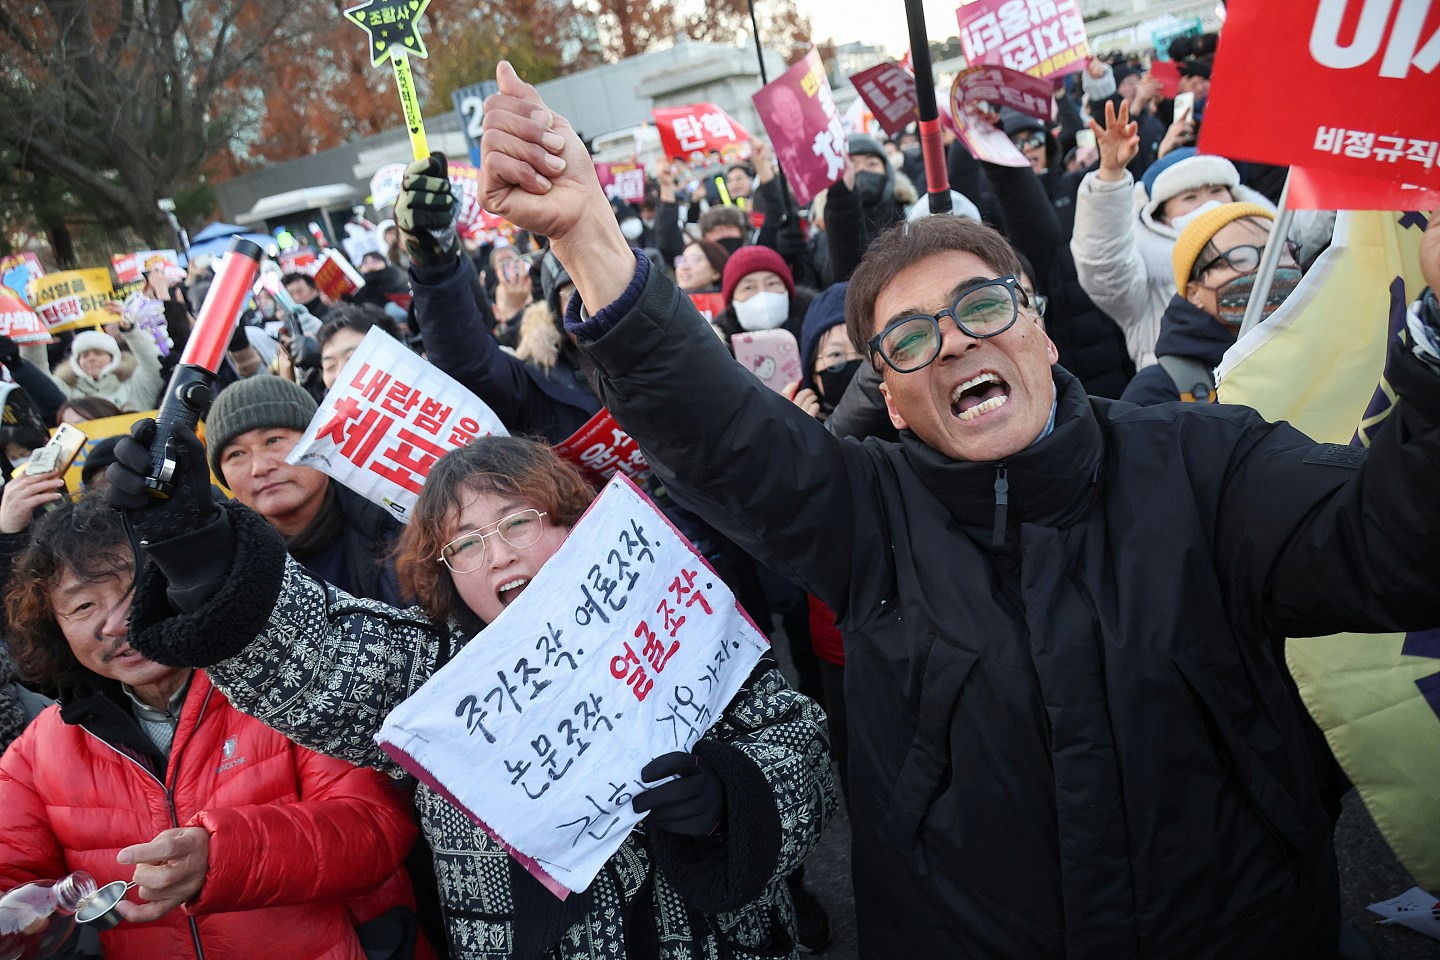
(1185, 331)
(1075, 742)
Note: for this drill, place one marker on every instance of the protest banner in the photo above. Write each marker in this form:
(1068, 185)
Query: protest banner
(710, 305)
(889, 92)
(335, 277)
(1370, 88)
(71, 299)
(385, 185)
(19, 322)
(1044, 38)
(19, 271)
(470, 107)
(692, 131)
(624, 647)
(1319, 362)
(1311, 189)
(393, 29)
(625, 181)
(601, 449)
(387, 419)
(798, 110)
(1168, 73)
(975, 100)
(1162, 37)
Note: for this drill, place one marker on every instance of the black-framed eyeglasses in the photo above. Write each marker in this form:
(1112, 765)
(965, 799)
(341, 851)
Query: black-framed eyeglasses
(1242, 259)
(1035, 138)
(981, 310)
(466, 552)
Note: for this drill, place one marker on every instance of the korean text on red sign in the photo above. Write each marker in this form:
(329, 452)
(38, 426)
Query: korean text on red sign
(698, 129)
(889, 92)
(975, 98)
(798, 110)
(601, 449)
(623, 180)
(387, 419)
(1044, 38)
(1370, 72)
(624, 647)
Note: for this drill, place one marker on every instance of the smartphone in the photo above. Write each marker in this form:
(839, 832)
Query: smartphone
(1184, 107)
(56, 456)
(772, 355)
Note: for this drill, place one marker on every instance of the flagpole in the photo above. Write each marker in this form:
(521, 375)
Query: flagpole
(790, 213)
(932, 144)
(1269, 260)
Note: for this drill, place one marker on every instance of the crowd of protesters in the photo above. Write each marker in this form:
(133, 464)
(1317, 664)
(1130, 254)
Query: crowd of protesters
(1043, 653)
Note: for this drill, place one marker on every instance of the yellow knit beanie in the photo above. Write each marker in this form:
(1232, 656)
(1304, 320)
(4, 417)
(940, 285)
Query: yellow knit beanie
(1202, 230)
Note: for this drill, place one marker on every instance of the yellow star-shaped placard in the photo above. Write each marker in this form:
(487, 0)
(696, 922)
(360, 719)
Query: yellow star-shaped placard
(393, 26)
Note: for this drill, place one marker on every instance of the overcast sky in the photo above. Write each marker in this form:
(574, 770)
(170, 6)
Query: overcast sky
(876, 21)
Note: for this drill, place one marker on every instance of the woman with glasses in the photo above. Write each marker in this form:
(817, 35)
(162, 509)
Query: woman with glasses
(703, 875)
(700, 267)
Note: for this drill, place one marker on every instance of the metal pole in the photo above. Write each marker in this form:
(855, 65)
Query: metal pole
(1269, 260)
(932, 143)
(790, 213)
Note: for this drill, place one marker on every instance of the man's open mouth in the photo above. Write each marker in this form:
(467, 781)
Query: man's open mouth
(981, 394)
(510, 589)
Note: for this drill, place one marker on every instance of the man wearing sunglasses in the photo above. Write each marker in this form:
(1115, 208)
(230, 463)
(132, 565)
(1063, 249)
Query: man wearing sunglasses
(1068, 735)
(1216, 261)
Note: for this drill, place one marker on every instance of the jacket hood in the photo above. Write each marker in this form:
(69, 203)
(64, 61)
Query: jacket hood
(1052, 482)
(1149, 209)
(1188, 331)
(110, 379)
(825, 311)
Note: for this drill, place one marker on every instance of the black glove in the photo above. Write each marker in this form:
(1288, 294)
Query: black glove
(9, 352)
(692, 805)
(790, 242)
(189, 506)
(304, 352)
(425, 212)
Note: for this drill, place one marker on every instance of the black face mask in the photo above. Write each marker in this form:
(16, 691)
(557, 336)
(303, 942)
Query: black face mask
(870, 188)
(731, 244)
(835, 380)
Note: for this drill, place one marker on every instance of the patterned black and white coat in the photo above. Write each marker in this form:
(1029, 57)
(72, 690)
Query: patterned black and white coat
(325, 669)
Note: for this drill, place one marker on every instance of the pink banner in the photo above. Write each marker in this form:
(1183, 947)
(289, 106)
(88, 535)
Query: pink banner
(798, 110)
(623, 180)
(1044, 38)
(974, 104)
(889, 92)
(695, 130)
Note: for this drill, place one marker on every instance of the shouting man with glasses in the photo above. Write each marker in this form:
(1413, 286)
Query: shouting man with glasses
(1068, 734)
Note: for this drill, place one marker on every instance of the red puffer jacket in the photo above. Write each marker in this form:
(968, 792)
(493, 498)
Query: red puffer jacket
(301, 845)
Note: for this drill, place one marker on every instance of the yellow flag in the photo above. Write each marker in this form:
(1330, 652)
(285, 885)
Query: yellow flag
(1319, 363)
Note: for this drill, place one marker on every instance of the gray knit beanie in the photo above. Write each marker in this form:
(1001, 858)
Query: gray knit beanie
(254, 403)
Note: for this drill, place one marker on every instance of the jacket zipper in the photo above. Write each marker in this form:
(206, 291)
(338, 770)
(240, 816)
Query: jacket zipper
(169, 802)
(1002, 503)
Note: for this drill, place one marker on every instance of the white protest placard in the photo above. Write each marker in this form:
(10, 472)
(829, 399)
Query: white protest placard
(626, 646)
(1415, 908)
(390, 415)
(385, 185)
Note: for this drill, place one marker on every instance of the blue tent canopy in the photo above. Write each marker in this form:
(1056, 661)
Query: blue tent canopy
(215, 238)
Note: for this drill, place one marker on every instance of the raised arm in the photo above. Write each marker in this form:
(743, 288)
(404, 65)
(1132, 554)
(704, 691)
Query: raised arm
(738, 454)
(1107, 256)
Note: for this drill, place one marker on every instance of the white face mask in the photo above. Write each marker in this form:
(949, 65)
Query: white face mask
(632, 228)
(1183, 221)
(765, 310)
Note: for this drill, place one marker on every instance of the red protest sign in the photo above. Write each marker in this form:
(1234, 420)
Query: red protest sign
(600, 448)
(1312, 189)
(710, 305)
(19, 322)
(889, 92)
(335, 277)
(623, 180)
(1370, 88)
(1044, 38)
(1168, 73)
(798, 110)
(698, 129)
(127, 268)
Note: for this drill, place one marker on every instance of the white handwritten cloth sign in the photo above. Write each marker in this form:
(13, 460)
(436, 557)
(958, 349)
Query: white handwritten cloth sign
(624, 647)
(390, 415)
